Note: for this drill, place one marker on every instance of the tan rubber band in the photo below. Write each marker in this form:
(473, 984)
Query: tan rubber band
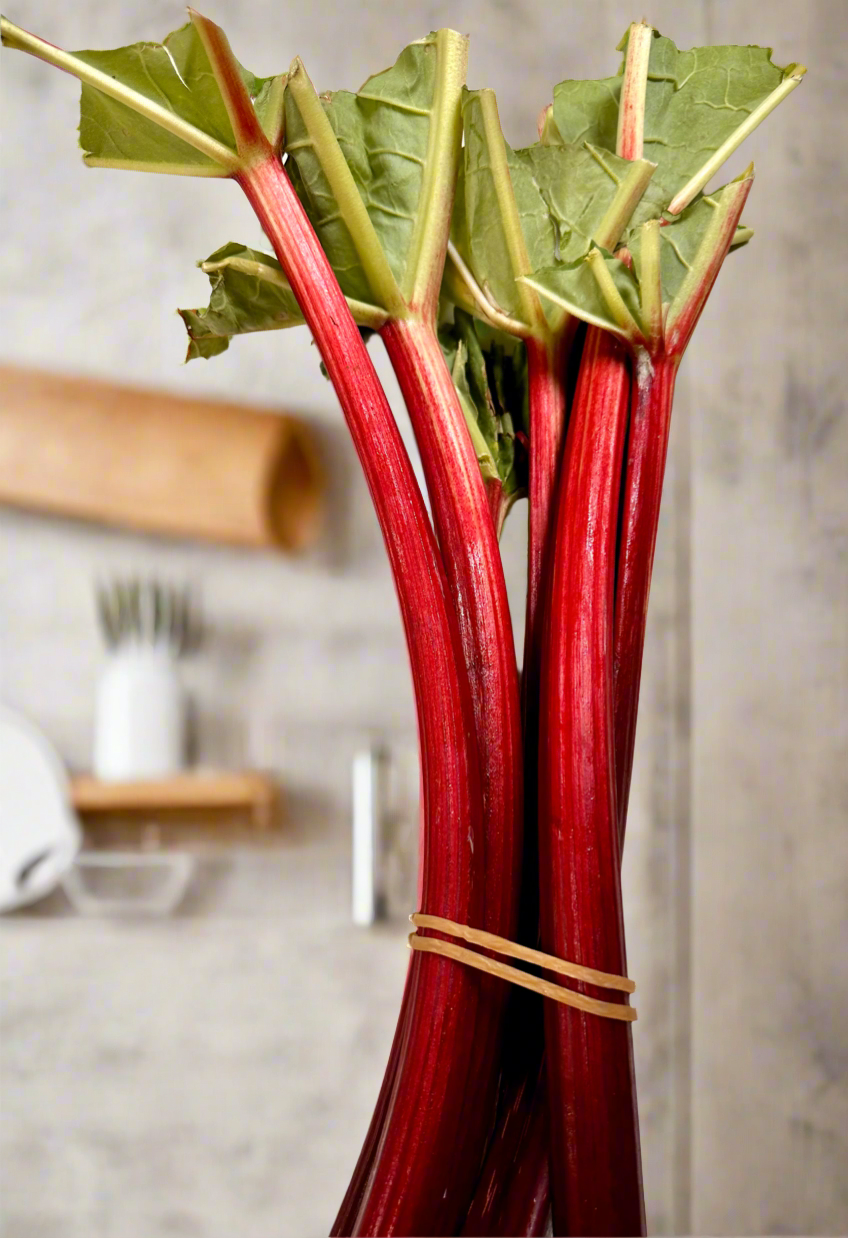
(493, 967)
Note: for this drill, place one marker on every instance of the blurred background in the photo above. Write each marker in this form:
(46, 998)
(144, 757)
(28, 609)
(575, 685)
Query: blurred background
(211, 1069)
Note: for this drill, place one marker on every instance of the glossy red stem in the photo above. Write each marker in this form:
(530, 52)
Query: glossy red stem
(470, 553)
(546, 385)
(547, 406)
(647, 449)
(526, 1207)
(436, 1054)
(596, 1171)
(513, 1194)
(654, 374)
(469, 546)
(508, 1157)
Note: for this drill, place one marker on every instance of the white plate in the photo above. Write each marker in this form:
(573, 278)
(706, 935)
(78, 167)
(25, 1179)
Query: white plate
(39, 833)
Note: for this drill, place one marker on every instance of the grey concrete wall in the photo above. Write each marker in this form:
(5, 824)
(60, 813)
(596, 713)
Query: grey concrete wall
(215, 1074)
(770, 681)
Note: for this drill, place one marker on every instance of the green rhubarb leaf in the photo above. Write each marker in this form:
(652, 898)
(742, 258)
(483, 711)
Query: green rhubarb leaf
(249, 293)
(679, 242)
(555, 195)
(156, 107)
(177, 75)
(394, 139)
(577, 185)
(574, 288)
(481, 225)
(490, 375)
(699, 106)
(585, 111)
(694, 102)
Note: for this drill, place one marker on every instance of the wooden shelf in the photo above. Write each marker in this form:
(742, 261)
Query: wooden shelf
(197, 791)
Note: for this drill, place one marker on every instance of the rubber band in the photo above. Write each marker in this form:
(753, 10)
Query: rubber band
(493, 967)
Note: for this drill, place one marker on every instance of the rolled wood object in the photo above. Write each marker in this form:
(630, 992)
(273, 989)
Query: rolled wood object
(153, 461)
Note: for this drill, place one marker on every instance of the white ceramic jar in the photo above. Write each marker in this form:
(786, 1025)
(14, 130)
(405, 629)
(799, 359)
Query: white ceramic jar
(140, 718)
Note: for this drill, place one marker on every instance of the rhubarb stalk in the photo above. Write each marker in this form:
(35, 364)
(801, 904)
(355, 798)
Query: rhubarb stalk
(595, 1157)
(436, 1063)
(468, 543)
(656, 359)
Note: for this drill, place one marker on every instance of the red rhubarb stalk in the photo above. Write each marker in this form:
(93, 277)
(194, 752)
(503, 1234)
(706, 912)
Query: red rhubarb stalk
(379, 1199)
(546, 382)
(595, 1156)
(513, 1188)
(422, 1134)
(437, 1056)
(548, 352)
(469, 547)
(647, 448)
(656, 361)
(513, 1194)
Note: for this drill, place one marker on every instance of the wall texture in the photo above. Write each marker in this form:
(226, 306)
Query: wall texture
(770, 682)
(215, 1074)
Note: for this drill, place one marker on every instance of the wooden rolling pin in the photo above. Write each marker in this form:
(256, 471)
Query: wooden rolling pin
(156, 462)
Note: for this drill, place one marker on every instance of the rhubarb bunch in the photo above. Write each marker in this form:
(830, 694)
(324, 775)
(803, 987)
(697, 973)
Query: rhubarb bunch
(535, 305)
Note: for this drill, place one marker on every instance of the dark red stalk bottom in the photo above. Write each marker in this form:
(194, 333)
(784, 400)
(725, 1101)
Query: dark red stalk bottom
(513, 1194)
(596, 1173)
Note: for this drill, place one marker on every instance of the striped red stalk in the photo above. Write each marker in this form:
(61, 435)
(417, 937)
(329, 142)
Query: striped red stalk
(595, 1157)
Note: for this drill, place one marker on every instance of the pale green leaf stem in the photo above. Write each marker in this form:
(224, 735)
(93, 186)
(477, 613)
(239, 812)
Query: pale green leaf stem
(650, 280)
(573, 287)
(164, 116)
(712, 165)
(510, 221)
(629, 194)
(426, 257)
(263, 267)
(479, 300)
(580, 305)
(620, 314)
(326, 149)
(210, 170)
(715, 243)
